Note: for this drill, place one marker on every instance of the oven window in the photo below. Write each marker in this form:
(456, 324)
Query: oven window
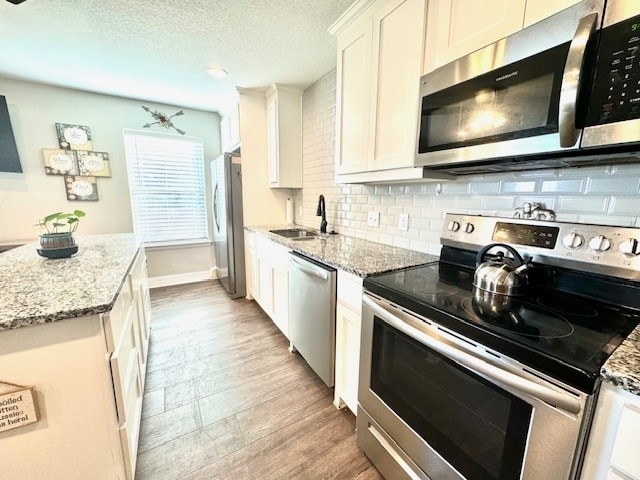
(480, 429)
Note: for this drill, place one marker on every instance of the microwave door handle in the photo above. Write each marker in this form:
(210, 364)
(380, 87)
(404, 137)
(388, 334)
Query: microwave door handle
(572, 78)
(499, 376)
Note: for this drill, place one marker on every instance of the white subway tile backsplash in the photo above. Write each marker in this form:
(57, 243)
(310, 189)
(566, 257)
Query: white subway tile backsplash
(599, 194)
(485, 187)
(562, 186)
(583, 204)
(628, 185)
(625, 206)
(518, 187)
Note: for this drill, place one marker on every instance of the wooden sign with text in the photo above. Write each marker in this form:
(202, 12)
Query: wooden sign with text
(17, 406)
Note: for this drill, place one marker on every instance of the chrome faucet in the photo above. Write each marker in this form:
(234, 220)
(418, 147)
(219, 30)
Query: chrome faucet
(322, 213)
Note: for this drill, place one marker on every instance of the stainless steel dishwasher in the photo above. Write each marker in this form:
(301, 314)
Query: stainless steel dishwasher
(312, 314)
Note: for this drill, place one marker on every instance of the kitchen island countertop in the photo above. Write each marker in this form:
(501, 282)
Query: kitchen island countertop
(354, 255)
(35, 290)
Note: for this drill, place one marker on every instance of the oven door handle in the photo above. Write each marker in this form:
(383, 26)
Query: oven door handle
(502, 377)
(572, 79)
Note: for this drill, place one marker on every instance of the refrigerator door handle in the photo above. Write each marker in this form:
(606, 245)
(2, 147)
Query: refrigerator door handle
(215, 207)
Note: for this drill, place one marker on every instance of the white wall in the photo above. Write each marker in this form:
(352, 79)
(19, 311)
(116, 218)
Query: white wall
(26, 197)
(261, 205)
(600, 195)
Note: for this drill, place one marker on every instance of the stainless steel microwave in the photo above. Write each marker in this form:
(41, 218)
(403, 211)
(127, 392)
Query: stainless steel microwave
(564, 91)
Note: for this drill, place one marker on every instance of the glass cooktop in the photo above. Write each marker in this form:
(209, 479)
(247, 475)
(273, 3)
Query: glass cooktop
(565, 336)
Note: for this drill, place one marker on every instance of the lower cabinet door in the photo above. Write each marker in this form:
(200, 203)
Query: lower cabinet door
(130, 430)
(347, 356)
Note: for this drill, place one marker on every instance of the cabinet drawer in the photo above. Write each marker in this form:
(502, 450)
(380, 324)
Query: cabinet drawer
(114, 320)
(275, 252)
(350, 290)
(138, 273)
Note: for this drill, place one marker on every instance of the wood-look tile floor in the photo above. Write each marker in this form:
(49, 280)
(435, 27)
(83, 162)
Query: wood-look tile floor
(224, 398)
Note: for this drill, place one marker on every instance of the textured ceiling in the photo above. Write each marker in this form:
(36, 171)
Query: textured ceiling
(158, 50)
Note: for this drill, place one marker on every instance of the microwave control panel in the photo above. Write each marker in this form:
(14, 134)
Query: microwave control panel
(616, 88)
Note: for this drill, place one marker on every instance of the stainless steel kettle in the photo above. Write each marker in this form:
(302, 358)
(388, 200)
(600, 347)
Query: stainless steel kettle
(501, 274)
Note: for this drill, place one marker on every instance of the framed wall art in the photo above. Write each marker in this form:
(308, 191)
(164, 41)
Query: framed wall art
(81, 188)
(94, 164)
(59, 162)
(74, 137)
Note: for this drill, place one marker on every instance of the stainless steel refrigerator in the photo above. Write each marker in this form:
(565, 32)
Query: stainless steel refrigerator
(228, 227)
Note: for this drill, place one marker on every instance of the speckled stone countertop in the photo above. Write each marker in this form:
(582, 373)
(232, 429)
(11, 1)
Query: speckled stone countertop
(35, 290)
(355, 255)
(623, 367)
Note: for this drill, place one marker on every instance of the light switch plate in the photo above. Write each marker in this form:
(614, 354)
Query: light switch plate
(373, 219)
(403, 222)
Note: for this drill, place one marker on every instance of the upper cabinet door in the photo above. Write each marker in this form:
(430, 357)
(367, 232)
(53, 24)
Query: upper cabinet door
(398, 42)
(540, 9)
(463, 26)
(352, 99)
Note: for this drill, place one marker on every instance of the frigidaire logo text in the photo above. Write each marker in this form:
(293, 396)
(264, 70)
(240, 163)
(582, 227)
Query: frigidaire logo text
(508, 75)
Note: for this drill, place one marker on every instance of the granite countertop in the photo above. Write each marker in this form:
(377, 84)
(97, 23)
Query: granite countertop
(623, 366)
(35, 290)
(355, 255)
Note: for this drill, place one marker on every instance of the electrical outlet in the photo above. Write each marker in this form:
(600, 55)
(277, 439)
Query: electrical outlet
(300, 211)
(403, 222)
(373, 219)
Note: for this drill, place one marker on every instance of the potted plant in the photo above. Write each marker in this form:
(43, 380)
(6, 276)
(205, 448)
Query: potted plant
(57, 239)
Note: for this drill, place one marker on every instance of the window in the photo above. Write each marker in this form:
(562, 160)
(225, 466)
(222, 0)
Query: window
(167, 188)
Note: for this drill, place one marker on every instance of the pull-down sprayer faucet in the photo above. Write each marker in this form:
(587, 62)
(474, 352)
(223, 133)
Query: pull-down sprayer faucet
(322, 213)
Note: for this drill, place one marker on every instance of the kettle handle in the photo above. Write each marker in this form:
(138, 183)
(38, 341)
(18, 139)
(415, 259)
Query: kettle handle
(480, 257)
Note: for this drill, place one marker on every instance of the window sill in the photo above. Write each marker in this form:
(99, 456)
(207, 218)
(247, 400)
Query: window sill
(170, 245)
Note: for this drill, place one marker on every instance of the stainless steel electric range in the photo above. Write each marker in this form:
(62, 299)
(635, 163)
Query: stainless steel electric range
(460, 383)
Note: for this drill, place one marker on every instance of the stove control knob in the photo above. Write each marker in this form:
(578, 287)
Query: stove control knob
(573, 241)
(599, 243)
(467, 227)
(453, 226)
(630, 247)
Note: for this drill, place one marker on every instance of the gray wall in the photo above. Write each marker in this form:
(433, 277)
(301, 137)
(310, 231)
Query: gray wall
(606, 194)
(34, 110)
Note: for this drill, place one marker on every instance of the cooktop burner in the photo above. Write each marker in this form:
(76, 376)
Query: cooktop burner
(520, 318)
(563, 335)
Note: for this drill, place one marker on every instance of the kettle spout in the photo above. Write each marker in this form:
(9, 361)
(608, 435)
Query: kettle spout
(526, 265)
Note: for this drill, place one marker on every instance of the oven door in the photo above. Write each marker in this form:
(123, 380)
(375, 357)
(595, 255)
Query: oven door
(434, 405)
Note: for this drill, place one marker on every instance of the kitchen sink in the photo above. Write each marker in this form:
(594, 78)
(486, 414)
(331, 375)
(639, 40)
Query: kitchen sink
(296, 233)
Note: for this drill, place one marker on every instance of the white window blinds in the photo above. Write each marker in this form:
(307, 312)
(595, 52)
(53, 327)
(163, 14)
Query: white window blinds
(167, 187)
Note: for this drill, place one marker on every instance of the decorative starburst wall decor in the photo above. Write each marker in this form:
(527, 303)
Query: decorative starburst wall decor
(163, 119)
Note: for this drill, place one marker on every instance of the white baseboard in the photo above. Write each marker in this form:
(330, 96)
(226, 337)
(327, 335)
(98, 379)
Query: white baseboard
(179, 279)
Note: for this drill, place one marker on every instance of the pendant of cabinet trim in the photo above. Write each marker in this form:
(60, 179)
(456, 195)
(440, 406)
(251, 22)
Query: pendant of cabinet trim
(284, 136)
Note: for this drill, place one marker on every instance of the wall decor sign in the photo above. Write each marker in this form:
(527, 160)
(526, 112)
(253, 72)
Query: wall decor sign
(59, 162)
(17, 406)
(95, 164)
(74, 137)
(81, 188)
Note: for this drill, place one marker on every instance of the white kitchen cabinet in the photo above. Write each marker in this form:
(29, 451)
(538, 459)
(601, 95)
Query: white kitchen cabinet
(537, 10)
(398, 42)
(463, 26)
(380, 55)
(348, 323)
(612, 447)
(230, 130)
(87, 377)
(272, 263)
(284, 136)
(353, 99)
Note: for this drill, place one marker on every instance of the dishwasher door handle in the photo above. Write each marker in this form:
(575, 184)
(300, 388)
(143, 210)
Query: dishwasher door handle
(309, 269)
